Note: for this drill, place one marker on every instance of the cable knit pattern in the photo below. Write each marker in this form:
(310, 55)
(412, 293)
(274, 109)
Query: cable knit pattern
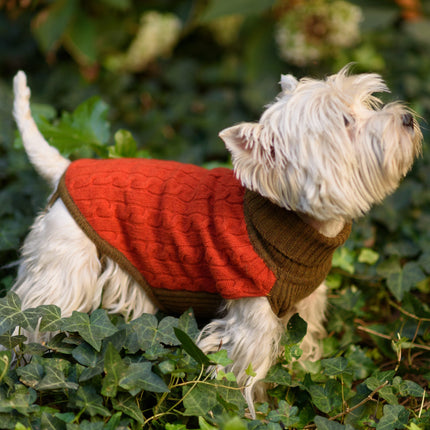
(181, 226)
(192, 237)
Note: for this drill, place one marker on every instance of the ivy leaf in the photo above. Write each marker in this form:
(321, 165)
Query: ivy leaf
(230, 396)
(407, 387)
(204, 425)
(334, 366)
(199, 399)
(81, 38)
(296, 330)
(344, 259)
(402, 249)
(141, 333)
(32, 373)
(320, 398)
(368, 256)
(20, 400)
(360, 364)
(93, 329)
(187, 323)
(285, 414)
(278, 374)
(165, 333)
(424, 262)
(9, 341)
(127, 404)
(11, 315)
(114, 369)
(220, 357)
(401, 280)
(139, 376)
(86, 355)
(52, 21)
(395, 417)
(51, 318)
(34, 348)
(405, 279)
(93, 361)
(323, 423)
(50, 422)
(125, 145)
(62, 343)
(378, 379)
(88, 399)
(86, 127)
(55, 375)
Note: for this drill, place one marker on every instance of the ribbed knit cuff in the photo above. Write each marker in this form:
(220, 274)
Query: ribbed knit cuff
(291, 236)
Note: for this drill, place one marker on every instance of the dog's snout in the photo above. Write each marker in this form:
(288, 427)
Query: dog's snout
(408, 120)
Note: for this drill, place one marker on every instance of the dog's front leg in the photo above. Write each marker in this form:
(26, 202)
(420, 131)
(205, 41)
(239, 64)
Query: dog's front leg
(251, 334)
(312, 309)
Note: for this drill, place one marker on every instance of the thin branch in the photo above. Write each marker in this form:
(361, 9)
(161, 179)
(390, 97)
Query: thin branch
(349, 410)
(385, 336)
(367, 399)
(395, 305)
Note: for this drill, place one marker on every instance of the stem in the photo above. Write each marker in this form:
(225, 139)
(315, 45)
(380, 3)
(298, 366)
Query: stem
(349, 410)
(194, 384)
(395, 305)
(367, 399)
(385, 336)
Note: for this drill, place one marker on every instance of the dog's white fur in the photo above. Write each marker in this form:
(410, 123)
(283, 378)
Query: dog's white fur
(325, 149)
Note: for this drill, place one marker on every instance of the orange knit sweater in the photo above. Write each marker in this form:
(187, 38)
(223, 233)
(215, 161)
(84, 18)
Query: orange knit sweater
(182, 232)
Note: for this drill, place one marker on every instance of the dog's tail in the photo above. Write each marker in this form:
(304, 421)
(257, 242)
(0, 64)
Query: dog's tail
(46, 159)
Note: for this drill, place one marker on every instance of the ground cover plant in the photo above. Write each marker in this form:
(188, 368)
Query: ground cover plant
(91, 99)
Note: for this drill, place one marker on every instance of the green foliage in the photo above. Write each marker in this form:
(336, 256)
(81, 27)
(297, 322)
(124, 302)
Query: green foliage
(122, 89)
(104, 369)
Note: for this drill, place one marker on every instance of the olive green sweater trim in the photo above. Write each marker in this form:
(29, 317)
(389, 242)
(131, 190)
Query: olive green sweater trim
(299, 256)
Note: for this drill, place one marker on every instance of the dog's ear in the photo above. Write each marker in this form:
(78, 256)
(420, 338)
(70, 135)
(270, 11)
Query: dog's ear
(249, 140)
(288, 83)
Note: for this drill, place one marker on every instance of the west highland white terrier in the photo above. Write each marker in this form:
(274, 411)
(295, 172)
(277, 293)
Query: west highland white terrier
(247, 248)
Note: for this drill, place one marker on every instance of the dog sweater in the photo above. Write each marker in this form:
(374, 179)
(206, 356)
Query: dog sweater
(192, 237)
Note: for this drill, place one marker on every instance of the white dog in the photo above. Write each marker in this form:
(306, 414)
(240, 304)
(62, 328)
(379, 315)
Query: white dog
(253, 246)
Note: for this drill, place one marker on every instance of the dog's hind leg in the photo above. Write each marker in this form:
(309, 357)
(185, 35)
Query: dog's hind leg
(59, 265)
(122, 294)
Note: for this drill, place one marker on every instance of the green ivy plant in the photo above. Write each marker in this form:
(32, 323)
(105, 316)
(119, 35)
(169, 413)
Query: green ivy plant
(100, 372)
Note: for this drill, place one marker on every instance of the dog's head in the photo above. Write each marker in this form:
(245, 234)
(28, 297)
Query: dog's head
(326, 148)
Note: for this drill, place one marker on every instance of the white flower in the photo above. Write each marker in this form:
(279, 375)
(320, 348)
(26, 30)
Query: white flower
(315, 29)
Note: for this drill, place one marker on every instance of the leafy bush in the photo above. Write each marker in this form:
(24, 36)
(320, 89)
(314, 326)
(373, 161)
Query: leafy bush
(100, 372)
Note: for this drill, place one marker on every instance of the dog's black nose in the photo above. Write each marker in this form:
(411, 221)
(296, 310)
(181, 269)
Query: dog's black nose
(408, 120)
